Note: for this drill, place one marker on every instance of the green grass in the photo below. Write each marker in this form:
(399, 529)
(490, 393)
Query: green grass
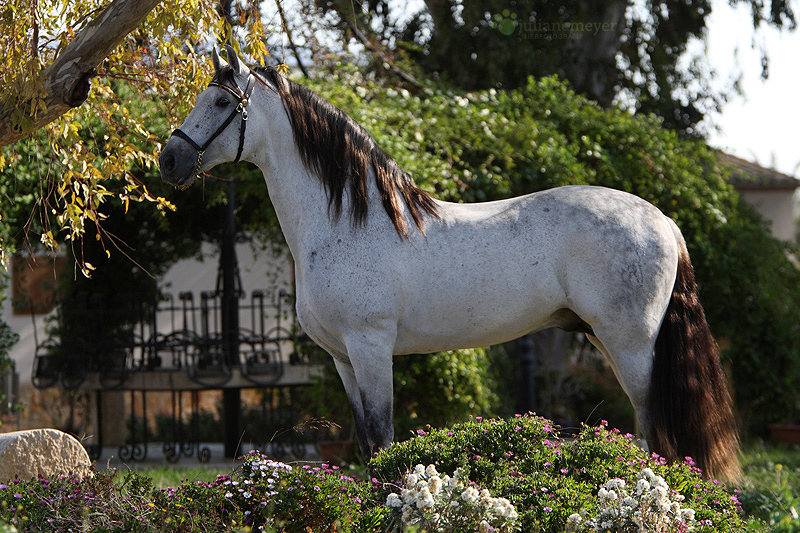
(771, 486)
(174, 476)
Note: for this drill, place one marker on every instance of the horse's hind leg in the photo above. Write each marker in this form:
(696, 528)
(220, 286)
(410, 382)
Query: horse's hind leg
(632, 367)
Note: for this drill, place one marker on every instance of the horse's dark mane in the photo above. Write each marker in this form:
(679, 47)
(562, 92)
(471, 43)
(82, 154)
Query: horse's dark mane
(341, 153)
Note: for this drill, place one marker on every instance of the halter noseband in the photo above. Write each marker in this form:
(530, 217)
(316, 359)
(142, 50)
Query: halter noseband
(243, 99)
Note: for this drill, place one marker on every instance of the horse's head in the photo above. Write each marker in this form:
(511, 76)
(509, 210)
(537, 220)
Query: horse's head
(214, 132)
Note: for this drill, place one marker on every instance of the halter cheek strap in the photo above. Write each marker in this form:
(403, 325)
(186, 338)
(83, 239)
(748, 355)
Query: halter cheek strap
(243, 99)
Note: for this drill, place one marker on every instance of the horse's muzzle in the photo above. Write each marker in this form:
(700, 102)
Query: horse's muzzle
(178, 162)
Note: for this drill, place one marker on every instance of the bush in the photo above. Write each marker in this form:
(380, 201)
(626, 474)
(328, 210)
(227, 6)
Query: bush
(549, 479)
(506, 473)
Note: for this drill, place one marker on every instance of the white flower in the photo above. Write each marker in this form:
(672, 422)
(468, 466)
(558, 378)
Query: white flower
(504, 509)
(651, 507)
(615, 484)
(470, 495)
(394, 501)
(452, 482)
(424, 499)
(484, 527)
(429, 499)
(435, 484)
(574, 522)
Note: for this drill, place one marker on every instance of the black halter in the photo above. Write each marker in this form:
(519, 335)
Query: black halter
(243, 99)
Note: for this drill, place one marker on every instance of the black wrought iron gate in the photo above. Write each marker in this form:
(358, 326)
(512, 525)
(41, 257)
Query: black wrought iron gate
(177, 345)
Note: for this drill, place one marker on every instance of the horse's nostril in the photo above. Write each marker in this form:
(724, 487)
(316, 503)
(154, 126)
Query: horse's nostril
(167, 163)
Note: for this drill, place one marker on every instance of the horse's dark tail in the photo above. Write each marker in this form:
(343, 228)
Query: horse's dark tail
(691, 412)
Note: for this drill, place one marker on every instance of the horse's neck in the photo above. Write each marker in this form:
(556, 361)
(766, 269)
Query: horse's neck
(298, 199)
(298, 195)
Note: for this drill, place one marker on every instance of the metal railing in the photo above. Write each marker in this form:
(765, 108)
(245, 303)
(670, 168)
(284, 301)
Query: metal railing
(108, 341)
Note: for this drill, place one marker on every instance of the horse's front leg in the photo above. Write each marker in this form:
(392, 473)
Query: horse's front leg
(368, 382)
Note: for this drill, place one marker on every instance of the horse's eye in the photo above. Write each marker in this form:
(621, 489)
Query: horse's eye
(222, 102)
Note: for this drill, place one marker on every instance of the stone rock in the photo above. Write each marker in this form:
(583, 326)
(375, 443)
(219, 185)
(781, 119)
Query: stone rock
(49, 452)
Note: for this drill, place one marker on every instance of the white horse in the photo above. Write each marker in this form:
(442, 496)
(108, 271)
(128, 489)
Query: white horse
(383, 269)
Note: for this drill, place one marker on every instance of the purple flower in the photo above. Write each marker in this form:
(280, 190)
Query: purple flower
(548, 509)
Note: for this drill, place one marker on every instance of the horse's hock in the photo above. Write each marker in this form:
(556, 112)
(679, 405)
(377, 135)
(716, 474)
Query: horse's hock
(47, 452)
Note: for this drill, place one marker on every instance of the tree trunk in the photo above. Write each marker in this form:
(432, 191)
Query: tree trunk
(593, 70)
(68, 79)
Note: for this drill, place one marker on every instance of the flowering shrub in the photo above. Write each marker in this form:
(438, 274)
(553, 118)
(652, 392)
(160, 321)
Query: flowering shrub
(648, 509)
(300, 497)
(506, 475)
(433, 503)
(549, 479)
(262, 495)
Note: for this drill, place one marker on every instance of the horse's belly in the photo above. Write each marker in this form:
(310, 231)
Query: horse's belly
(449, 323)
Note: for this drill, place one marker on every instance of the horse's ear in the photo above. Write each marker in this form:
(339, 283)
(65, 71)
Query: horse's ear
(238, 66)
(217, 61)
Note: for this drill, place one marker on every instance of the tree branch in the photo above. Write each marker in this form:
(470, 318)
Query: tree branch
(68, 79)
(289, 37)
(381, 54)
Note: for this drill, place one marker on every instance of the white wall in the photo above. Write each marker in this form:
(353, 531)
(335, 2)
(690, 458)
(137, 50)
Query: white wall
(777, 206)
(257, 271)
